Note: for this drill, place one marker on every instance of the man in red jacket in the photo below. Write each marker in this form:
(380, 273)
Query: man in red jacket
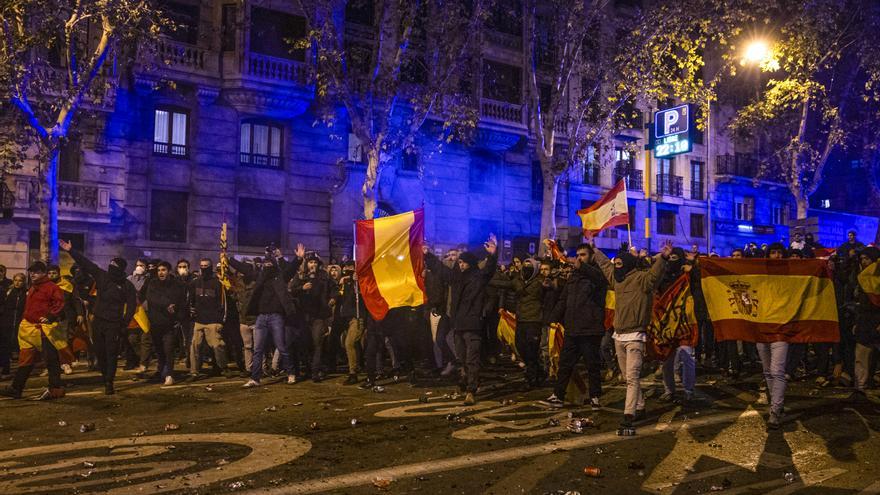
(39, 333)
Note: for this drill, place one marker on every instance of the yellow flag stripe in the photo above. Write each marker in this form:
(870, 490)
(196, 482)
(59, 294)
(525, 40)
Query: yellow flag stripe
(597, 218)
(392, 266)
(772, 299)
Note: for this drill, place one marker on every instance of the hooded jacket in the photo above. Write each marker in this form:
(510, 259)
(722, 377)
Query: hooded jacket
(209, 300)
(467, 291)
(116, 299)
(275, 282)
(159, 295)
(529, 288)
(581, 305)
(634, 295)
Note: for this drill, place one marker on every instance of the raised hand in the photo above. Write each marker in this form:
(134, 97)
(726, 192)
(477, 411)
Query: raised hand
(300, 250)
(65, 245)
(491, 245)
(666, 250)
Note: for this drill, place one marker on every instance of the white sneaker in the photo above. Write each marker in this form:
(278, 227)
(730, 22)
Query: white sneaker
(291, 379)
(140, 369)
(762, 399)
(450, 367)
(66, 369)
(251, 384)
(44, 373)
(595, 405)
(169, 380)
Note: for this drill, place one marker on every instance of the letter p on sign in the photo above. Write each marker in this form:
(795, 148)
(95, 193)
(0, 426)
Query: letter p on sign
(669, 120)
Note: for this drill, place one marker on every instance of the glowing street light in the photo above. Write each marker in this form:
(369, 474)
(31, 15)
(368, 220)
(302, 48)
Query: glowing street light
(757, 52)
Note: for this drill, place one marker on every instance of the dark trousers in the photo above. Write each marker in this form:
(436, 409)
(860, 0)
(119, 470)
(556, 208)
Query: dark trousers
(138, 351)
(374, 342)
(163, 342)
(728, 356)
(318, 331)
(444, 339)
(234, 344)
(607, 350)
(53, 365)
(107, 336)
(825, 362)
(706, 345)
(7, 345)
(796, 354)
(573, 347)
(408, 337)
(528, 345)
(467, 347)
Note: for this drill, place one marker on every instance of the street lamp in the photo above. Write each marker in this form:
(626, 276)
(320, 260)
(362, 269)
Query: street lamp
(756, 52)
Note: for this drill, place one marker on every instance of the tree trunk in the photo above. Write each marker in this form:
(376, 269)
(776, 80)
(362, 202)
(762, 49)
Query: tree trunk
(548, 209)
(47, 196)
(370, 180)
(803, 205)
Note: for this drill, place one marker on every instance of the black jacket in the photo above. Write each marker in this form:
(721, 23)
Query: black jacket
(116, 299)
(581, 305)
(208, 300)
(529, 296)
(315, 301)
(468, 291)
(12, 309)
(276, 282)
(159, 295)
(346, 307)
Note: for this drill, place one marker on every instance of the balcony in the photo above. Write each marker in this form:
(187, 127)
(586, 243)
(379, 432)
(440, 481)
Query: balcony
(631, 177)
(100, 96)
(276, 69)
(184, 57)
(670, 185)
(75, 201)
(504, 40)
(259, 160)
(502, 112)
(740, 165)
(591, 175)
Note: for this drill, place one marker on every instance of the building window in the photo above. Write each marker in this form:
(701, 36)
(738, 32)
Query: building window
(170, 133)
(409, 161)
(780, 214)
(69, 160)
(502, 82)
(665, 222)
(697, 189)
(668, 184)
(537, 181)
(825, 203)
(698, 223)
(185, 19)
(744, 208)
(271, 30)
(483, 171)
(259, 222)
(228, 30)
(168, 212)
(260, 144)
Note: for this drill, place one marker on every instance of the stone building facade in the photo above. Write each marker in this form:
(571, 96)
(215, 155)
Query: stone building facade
(225, 132)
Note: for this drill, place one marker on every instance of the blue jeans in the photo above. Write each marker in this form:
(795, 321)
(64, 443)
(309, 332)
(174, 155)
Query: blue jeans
(773, 359)
(269, 326)
(685, 355)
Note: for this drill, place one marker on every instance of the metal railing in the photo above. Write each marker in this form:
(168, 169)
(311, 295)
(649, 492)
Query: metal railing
(740, 164)
(504, 40)
(697, 190)
(632, 177)
(669, 185)
(591, 175)
(175, 150)
(260, 160)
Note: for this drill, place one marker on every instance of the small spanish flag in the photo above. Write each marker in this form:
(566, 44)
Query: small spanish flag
(611, 210)
(610, 304)
(507, 328)
(390, 263)
(764, 300)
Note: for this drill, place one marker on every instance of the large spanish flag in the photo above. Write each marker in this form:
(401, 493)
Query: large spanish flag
(610, 210)
(764, 300)
(869, 281)
(390, 263)
(673, 322)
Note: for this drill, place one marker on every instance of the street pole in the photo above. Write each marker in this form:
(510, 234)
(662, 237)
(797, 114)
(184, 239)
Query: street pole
(708, 174)
(647, 179)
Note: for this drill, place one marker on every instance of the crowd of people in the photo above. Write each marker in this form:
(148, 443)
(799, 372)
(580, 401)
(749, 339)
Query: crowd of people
(299, 319)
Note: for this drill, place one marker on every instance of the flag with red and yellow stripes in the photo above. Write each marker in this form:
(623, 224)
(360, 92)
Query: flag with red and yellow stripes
(764, 300)
(390, 263)
(869, 281)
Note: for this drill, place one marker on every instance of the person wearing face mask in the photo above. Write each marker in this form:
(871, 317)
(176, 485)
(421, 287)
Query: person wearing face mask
(186, 276)
(270, 304)
(530, 287)
(315, 289)
(209, 313)
(138, 345)
(634, 296)
(115, 304)
(165, 297)
(39, 334)
(10, 317)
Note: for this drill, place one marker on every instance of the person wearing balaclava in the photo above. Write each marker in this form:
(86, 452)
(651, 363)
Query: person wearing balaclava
(528, 284)
(634, 292)
(115, 305)
(138, 345)
(682, 351)
(208, 314)
(867, 316)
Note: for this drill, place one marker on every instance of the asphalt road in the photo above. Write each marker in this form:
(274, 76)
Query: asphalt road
(212, 436)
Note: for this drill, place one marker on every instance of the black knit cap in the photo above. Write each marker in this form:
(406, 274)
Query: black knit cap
(38, 267)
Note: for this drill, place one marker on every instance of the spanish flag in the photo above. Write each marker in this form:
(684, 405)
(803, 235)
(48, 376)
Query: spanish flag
(610, 305)
(764, 300)
(869, 281)
(609, 211)
(390, 264)
(507, 328)
(673, 322)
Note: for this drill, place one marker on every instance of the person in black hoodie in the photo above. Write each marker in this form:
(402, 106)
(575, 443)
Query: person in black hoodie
(10, 317)
(165, 298)
(115, 304)
(468, 283)
(209, 313)
(314, 289)
(581, 310)
(271, 304)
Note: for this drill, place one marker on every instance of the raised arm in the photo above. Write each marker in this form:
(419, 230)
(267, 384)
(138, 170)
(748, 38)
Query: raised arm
(86, 264)
(652, 276)
(604, 265)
